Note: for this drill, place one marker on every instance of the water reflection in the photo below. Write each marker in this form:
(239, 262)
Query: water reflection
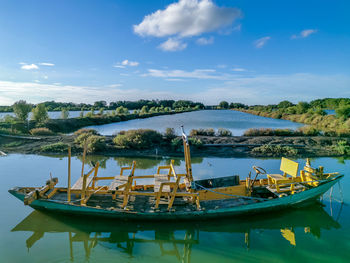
(170, 239)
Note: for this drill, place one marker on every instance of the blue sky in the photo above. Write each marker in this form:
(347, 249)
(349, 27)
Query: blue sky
(256, 52)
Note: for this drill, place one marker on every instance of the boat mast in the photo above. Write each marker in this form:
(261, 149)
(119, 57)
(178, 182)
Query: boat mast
(187, 156)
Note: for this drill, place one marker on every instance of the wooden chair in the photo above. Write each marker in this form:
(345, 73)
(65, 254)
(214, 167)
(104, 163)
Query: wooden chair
(288, 167)
(163, 186)
(123, 182)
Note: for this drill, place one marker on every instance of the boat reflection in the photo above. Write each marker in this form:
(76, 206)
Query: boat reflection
(180, 237)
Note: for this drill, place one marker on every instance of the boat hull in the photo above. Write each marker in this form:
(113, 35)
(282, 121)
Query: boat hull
(298, 199)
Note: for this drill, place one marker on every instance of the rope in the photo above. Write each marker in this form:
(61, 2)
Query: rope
(242, 196)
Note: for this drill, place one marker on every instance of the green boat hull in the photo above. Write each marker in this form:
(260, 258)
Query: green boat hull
(297, 199)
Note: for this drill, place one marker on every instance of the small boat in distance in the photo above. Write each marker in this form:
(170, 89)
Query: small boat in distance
(173, 196)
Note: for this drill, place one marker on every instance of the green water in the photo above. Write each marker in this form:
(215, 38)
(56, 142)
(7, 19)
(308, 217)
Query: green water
(321, 232)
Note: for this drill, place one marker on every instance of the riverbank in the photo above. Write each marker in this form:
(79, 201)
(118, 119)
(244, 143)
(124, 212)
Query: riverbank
(231, 146)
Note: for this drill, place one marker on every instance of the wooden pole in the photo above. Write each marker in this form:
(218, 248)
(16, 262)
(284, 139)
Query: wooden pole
(69, 174)
(84, 154)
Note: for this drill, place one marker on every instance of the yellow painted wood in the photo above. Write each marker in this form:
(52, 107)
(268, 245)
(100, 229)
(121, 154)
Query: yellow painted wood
(289, 167)
(289, 235)
(69, 173)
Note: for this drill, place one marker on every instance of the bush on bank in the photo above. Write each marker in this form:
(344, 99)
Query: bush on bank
(41, 132)
(138, 139)
(271, 149)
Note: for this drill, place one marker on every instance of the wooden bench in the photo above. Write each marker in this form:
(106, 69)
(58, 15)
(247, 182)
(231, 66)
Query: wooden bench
(79, 183)
(288, 167)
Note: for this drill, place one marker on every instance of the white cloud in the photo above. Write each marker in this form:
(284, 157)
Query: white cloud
(115, 85)
(187, 18)
(29, 66)
(257, 89)
(118, 66)
(195, 74)
(305, 33)
(239, 69)
(47, 64)
(126, 63)
(205, 41)
(261, 42)
(130, 63)
(172, 45)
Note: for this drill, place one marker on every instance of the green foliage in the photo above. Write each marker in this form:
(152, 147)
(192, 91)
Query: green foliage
(238, 106)
(169, 134)
(59, 147)
(285, 104)
(202, 132)
(177, 143)
(21, 109)
(268, 132)
(224, 132)
(122, 110)
(138, 139)
(343, 112)
(342, 147)
(144, 110)
(308, 131)
(302, 107)
(41, 132)
(65, 114)
(101, 111)
(223, 105)
(40, 113)
(271, 149)
(94, 142)
(85, 130)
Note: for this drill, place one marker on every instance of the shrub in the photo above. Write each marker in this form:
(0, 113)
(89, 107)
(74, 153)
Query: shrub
(65, 114)
(202, 132)
(342, 147)
(41, 131)
(224, 132)
(308, 131)
(40, 113)
(270, 149)
(84, 130)
(94, 142)
(21, 109)
(169, 134)
(269, 132)
(177, 143)
(59, 147)
(138, 139)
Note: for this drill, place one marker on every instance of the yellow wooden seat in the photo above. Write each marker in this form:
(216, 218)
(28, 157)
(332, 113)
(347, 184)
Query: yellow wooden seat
(288, 167)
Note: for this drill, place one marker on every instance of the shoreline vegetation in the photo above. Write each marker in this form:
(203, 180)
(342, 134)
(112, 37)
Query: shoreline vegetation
(146, 142)
(325, 135)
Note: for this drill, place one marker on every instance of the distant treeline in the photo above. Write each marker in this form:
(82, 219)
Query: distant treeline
(131, 105)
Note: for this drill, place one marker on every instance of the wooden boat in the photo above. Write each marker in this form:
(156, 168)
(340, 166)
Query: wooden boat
(173, 196)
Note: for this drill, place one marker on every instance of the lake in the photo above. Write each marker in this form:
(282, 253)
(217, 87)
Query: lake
(318, 233)
(235, 121)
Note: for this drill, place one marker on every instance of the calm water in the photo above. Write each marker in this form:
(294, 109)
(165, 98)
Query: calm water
(237, 122)
(312, 234)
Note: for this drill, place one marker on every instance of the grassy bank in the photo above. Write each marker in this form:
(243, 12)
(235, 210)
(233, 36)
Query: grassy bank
(145, 142)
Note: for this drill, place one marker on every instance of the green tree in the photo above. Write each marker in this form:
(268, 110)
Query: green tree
(223, 105)
(343, 112)
(21, 109)
(64, 113)
(285, 104)
(40, 113)
(144, 109)
(302, 107)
